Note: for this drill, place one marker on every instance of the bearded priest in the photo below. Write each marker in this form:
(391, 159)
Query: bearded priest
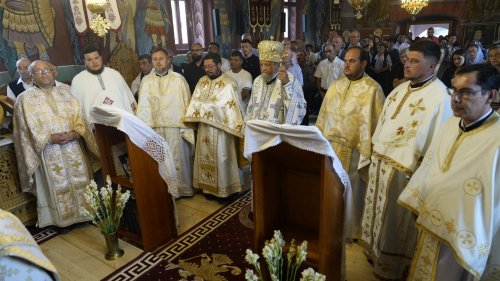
(277, 95)
(217, 108)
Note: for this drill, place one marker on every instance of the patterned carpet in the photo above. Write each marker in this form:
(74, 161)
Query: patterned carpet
(42, 235)
(213, 250)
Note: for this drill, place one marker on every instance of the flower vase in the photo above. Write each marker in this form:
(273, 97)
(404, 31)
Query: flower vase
(114, 250)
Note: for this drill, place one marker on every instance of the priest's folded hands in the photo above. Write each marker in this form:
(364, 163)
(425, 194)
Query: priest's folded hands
(63, 137)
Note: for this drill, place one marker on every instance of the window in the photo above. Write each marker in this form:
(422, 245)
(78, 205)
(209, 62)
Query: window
(290, 11)
(420, 30)
(179, 20)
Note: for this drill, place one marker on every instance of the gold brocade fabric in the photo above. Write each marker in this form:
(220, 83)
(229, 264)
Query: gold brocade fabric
(215, 106)
(66, 168)
(455, 196)
(277, 103)
(16, 241)
(349, 115)
(405, 139)
(163, 102)
(30, 16)
(12, 199)
(215, 103)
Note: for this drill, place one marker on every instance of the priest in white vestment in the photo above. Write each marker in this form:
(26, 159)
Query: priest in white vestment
(54, 147)
(455, 193)
(216, 107)
(99, 85)
(162, 105)
(277, 95)
(20, 256)
(412, 115)
(348, 118)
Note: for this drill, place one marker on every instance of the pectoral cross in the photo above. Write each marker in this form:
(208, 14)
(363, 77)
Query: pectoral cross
(278, 106)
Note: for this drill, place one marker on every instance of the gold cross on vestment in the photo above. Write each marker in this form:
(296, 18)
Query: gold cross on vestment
(57, 169)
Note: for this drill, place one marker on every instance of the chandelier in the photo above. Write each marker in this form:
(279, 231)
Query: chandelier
(358, 5)
(99, 24)
(97, 6)
(414, 7)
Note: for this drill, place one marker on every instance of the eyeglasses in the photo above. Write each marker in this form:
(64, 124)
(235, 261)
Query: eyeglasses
(196, 50)
(41, 71)
(465, 93)
(210, 66)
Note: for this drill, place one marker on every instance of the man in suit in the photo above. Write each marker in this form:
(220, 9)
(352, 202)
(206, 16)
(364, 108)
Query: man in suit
(24, 82)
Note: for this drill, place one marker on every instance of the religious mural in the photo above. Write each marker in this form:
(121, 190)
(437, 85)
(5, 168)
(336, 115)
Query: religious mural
(58, 30)
(34, 29)
(28, 25)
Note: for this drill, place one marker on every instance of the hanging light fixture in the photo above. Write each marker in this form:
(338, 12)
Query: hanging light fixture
(359, 5)
(99, 24)
(414, 7)
(97, 6)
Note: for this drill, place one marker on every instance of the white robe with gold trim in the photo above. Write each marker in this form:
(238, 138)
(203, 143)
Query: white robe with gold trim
(348, 118)
(277, 103)
(163, 102)
(216, 106)
(409, 121)
(455, 195)
(60, 172)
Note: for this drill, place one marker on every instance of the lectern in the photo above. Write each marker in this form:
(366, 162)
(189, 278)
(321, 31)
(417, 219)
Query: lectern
(154, 205)
(299, 193)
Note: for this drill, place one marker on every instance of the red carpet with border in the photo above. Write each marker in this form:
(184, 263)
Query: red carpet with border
(213, 250)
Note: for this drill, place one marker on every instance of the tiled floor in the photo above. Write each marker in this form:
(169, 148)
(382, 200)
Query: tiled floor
(79, 254)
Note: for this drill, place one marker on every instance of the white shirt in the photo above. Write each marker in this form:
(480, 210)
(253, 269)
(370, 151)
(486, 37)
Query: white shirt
(109, 88)
(244, 81)
(329, 71)
(225, 65)
(136, 84)
(11, 95)
(243, 78)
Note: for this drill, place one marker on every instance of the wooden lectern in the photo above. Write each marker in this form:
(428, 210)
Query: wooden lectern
(155, 206)
(298, 192)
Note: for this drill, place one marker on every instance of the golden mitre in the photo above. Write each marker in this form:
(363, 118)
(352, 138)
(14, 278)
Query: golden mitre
(270, 50)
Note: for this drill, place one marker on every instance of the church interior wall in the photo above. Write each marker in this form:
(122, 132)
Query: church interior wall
(50, 29)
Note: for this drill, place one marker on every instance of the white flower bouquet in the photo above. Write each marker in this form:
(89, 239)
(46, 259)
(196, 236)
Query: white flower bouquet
(105, 210)
(273, 254)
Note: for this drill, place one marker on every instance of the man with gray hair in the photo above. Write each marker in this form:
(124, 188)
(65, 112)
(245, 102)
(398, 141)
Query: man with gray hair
(55, 148)
(277, 95)
(24, 82)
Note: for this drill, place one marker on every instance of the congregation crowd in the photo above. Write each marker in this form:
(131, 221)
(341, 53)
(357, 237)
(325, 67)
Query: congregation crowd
(411, 120)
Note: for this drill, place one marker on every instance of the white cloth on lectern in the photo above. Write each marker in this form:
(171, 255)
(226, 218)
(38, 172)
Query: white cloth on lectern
(144, 137)
(261, 135)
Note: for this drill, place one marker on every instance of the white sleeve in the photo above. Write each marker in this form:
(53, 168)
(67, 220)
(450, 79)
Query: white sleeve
(135, 85)
(10, 94)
